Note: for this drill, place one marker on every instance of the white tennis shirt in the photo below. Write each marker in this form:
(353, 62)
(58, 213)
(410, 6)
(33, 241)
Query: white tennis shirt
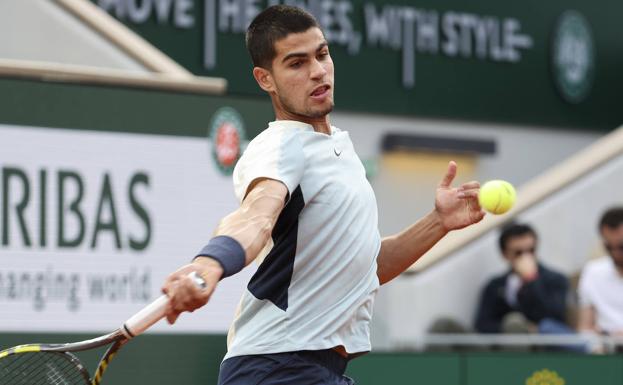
(316, 287)
(601, 286)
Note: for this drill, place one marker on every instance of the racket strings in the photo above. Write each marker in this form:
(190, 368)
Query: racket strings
(53, 370)
(14, 366)
(40, 368)
(54, 374)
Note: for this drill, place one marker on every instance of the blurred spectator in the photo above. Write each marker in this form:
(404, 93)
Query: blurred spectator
(601, 282)
(528, 298)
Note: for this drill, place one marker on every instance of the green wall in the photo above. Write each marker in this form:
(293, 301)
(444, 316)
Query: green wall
(194, 360)
(369, 79)
(487, 369)
(122, 109)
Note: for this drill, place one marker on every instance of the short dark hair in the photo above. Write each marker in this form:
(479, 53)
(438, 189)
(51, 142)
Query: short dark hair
(273, 24)
(612, 218)
(515, 230)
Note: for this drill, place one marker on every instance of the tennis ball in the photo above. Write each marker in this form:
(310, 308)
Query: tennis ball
(497, 196)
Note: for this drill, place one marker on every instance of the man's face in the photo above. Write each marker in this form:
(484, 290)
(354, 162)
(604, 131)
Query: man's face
(613, 242)
(302, 73)
(520, 246)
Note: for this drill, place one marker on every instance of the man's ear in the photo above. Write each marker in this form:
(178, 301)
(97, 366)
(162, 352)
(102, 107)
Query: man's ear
(264, 79)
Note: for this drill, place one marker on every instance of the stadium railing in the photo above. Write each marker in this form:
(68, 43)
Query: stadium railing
(125, 39)
(591, 342)
(68, 73)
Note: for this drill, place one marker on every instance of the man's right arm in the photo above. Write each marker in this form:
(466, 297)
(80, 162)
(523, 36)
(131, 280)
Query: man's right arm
(545, 296)
(586, 320)
(587, 315)
(250, 226)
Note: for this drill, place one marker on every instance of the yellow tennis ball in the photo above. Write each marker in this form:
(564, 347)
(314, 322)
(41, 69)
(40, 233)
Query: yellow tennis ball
(497, 196)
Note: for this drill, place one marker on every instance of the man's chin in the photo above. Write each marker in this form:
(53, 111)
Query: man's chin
(319, 113)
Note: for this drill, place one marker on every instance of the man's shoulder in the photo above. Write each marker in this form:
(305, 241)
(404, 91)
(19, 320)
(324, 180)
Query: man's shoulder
(269, 133)
(597, 266)
(497, 281)
(277, 134)
(553, 273)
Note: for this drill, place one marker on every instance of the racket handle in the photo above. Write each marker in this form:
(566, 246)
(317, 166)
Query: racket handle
(153, 312)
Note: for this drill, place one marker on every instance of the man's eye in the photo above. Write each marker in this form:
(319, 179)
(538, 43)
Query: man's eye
(295, 64)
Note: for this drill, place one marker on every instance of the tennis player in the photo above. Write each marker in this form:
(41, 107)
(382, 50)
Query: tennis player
(305, 198)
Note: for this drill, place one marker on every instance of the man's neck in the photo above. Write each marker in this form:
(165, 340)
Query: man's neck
(321, 125)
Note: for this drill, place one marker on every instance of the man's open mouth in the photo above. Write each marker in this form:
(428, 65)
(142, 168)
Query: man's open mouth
(319, 91)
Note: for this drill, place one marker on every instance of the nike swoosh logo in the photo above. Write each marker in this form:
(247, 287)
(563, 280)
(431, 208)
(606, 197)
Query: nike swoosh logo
(337, 153)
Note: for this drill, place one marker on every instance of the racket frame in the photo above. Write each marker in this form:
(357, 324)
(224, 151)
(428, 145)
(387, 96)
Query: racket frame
(117, 338)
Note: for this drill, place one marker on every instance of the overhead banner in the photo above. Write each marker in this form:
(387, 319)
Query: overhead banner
(544, 63)
(94, 221)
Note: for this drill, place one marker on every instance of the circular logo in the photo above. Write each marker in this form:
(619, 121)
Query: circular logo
(545, 377)
(573, 56)
(226, 135)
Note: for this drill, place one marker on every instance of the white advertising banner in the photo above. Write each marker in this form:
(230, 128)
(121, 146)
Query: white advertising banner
(93, 222)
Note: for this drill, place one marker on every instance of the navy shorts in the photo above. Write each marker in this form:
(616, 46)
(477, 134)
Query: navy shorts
(307, 367)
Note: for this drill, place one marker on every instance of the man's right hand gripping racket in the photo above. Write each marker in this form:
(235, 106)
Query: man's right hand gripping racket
(54, 364)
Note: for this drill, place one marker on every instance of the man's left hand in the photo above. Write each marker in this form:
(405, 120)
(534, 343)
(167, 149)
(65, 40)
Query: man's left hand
(457, 207)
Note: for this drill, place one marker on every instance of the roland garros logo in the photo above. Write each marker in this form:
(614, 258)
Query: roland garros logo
(226, 135)
(573, 57)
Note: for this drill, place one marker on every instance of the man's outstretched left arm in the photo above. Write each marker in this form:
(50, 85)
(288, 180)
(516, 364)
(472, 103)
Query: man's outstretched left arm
(455, 208)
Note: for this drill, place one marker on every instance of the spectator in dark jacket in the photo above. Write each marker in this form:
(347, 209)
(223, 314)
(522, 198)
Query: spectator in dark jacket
(529, 297)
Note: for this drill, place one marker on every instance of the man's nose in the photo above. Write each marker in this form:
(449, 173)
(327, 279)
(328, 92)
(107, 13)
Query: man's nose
(318, 71)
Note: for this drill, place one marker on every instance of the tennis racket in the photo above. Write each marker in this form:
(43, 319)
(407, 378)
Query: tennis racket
(54, 364)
